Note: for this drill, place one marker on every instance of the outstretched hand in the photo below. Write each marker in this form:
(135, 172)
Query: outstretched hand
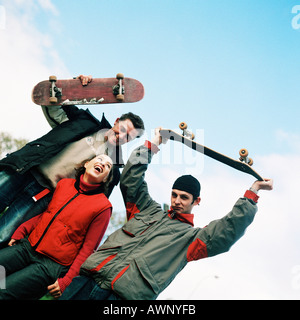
(158, 139)
(267, 184)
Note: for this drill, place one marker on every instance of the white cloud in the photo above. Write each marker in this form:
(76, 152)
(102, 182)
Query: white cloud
(27, 56)
(48, 6)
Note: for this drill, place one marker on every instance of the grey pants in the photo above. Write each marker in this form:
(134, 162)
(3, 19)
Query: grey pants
(28, 273)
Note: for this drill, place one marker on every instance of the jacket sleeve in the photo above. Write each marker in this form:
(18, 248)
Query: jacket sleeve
(220, 235)
(132, 183)
(26, 227)
(55, 115)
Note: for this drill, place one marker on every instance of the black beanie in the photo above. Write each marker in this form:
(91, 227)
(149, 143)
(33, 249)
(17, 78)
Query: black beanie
(188, 184)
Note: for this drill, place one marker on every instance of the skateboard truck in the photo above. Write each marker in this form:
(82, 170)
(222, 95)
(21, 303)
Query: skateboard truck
(55, 92)
(186, 133)
(119, 89)
(244, 157)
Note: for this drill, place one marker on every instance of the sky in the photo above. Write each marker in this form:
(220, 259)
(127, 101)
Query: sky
(229, 69)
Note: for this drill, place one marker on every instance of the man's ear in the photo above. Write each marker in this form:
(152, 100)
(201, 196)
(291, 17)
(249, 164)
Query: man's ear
(117, 120)
(197, 201)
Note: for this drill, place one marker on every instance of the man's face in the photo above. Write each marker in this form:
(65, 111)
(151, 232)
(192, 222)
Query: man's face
(122, 132)
(182, 202)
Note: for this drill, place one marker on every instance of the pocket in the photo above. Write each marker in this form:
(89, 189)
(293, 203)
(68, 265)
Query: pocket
(137, 226)
(37, 145)
(147, 274)
(136, 282)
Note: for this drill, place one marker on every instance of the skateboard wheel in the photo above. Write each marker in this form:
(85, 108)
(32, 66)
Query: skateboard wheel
(52, 78)
(53, 99)
(250, 161)
(243, 153)
(120, 76)
(182, 125)
(120, 97)
(192, 137)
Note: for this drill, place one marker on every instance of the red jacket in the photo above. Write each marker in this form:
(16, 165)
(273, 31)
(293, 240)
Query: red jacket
(91, 241)
(63, 226)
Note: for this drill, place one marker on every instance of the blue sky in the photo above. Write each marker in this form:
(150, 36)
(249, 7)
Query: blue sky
(233, 64)
(230, 69)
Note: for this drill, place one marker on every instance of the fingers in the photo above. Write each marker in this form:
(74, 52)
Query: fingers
(267, 184)
(56, 294)
(85, 79)
(12, 242)
(157, 138)
(54, 290)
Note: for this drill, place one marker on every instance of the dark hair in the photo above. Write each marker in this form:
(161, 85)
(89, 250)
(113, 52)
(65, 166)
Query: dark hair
(137, 121)
(104, 187)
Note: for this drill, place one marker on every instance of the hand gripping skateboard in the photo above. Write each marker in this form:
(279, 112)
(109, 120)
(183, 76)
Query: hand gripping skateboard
(100, 90)
(243, 164)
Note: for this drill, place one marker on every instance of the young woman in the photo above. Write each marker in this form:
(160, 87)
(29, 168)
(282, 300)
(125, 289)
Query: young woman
(46, 252)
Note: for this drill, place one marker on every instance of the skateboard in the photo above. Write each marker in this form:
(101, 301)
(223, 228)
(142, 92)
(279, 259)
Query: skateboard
(243, 164)
(101, 90)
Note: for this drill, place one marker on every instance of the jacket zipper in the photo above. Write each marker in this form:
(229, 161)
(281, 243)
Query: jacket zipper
(54, 217)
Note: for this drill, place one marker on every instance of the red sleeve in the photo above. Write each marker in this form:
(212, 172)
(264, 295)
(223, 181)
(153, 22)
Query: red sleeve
(26, 227)
(251, 195)
(92, 239)
(151, 146)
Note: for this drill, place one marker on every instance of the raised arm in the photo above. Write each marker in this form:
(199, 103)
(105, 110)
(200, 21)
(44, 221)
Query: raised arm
(133, 185)
(220, 235)
(55, 115)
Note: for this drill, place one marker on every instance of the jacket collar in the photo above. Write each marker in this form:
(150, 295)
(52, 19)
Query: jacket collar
(88, 189)
(183, 217)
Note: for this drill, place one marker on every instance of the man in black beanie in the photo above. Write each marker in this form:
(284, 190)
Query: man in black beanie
(138, 261)
(185, 194)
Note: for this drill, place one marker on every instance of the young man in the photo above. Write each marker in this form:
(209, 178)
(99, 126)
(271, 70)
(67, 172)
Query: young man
(141, 259)
(76, 135)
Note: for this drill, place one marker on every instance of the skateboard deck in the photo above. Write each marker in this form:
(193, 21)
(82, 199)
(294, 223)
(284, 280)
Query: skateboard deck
(99, 91)
(236, 164)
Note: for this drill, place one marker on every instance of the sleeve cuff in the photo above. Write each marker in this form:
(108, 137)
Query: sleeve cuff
(40, 195)
(251, 195)
(64, 283)
(151, 146)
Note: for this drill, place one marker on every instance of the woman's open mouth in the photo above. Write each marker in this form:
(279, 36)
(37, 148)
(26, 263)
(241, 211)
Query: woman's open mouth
(98, 168)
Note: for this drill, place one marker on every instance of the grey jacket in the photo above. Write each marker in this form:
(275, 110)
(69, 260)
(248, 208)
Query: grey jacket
(141, 259)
